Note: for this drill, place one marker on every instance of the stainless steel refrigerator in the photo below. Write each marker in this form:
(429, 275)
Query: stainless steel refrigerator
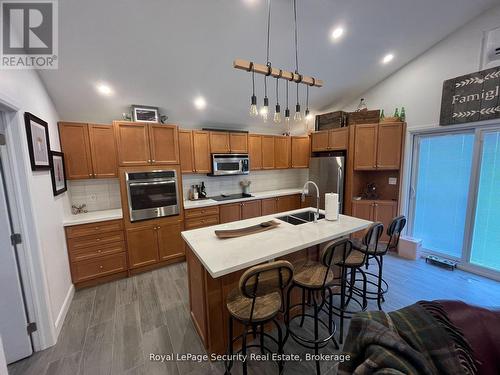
(328, 171)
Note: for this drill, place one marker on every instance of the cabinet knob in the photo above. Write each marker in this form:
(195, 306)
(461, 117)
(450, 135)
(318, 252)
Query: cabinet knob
(101, 267)
(90, 174)
(149, 160)
(158, 227)
(96, 228)
(99, 251)
(97, 239)
(153, 160)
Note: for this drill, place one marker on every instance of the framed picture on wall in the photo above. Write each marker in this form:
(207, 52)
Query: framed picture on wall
(57, 172)
(37, 132)
(144, 113)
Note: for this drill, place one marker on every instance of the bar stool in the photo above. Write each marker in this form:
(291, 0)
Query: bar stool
(257, 301)
(377, 253)
(315, 278)
(352, 261)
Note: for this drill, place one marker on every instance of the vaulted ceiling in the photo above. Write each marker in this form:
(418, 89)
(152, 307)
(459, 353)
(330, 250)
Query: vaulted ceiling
(167, 52)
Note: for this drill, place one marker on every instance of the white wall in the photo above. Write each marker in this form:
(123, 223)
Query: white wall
(42, 225)
(418, 85)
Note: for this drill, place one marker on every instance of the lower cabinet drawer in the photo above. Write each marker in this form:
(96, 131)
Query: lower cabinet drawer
(94, 229)
(201, 212)
(201, 222)
(96, 251)
(96, 240)
(102, 266)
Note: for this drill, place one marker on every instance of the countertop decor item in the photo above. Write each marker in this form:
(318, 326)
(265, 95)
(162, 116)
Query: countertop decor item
(370, 191)
(57, 173)
(232, 233)
(77, 209)
(362, 106)
(245, 184)
(331, 206)
(37, 132)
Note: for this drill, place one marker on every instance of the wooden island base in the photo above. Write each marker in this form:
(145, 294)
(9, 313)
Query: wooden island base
(207, 298)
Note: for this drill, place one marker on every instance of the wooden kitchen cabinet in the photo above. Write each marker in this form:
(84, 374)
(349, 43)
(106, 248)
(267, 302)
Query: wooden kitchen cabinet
(282, 152)
(287, 203)
(300, 151)
(201, 146)
(268, 152)
(146, 144)
(186, 151)
(238, 143)
(153, 243)
(390, 137)
(378, 146)
(375, 210)
(268, 206)
(89, 150)
(219, 143)
(75, 145)
(201, 217)
(255, 151)
(250, 209)
(229, 212)
(330, 140)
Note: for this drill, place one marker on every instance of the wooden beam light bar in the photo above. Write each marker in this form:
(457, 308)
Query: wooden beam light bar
(263, 69)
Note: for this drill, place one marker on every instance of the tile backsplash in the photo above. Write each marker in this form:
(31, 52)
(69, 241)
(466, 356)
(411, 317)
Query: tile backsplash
(98, 194)
(261, 181)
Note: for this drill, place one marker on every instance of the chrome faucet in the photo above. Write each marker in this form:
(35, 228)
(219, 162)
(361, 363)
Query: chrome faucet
(316, 214)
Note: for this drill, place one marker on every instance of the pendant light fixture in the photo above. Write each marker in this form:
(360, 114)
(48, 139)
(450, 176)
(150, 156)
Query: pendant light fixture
(277, 112)
(267, 70)
(307, 114)
(253, 101)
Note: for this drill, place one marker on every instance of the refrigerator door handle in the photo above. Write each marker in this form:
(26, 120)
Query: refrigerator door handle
(339, 177)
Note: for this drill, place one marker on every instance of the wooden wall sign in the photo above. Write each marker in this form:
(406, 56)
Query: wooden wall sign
(472, 97)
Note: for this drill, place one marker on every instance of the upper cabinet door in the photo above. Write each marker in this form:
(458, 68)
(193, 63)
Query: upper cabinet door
(267, 152)
(365, 147)
(238, 142)
(186, 151)
(132, 141)
(103, 148)
(338, 139)
(219, 143)
(164, 142)
(201, 146)
(170, 243)
(255, 151)
(300, 152)
(320, 141)
(282, 152)
(76, 147)
(390, 137)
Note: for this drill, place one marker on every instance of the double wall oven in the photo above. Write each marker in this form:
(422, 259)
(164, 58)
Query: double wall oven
(152, 194)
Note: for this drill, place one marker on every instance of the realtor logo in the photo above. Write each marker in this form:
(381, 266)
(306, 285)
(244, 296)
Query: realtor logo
(29, 34)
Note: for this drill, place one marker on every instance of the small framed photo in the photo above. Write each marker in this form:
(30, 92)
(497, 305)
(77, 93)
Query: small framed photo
(57, 172)
(37, 131)
(144, 113)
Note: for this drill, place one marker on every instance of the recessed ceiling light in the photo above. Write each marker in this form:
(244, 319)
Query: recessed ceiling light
(337, 33)
(388, 58)
(200, 102)
(104, 89)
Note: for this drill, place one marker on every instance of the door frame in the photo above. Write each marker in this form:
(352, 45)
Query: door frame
(478, 129)
(29, 252)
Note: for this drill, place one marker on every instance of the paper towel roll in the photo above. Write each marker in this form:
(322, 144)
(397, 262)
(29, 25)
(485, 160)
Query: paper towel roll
(331, 206)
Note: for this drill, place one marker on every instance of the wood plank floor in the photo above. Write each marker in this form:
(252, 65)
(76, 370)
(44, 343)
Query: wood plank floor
(112, 328)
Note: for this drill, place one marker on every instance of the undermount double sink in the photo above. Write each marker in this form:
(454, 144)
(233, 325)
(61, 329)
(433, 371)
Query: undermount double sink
(300, 217)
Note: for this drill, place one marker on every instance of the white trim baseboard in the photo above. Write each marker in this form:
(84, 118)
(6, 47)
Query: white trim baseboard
(64, 310)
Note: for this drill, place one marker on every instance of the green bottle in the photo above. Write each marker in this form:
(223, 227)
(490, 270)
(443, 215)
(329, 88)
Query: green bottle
(396, 113)
(402, 116)
(382, 115)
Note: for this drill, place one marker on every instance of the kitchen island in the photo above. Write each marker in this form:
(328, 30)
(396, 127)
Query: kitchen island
(215, 265)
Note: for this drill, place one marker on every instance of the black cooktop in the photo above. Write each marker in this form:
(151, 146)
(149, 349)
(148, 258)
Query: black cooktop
(227, 197)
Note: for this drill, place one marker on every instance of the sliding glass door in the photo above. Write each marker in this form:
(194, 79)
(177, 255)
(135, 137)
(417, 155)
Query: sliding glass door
(455, 195)
(485, 248)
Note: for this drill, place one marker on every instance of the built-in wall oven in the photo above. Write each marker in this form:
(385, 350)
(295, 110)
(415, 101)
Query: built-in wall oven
(152, 194)
(229, 164)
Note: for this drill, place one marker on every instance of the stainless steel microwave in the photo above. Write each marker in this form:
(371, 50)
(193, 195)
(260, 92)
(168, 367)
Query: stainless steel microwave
(152, 194)
(230, 164)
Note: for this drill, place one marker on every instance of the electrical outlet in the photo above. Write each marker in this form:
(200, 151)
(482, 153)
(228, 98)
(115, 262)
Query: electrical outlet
(92, 197)
(393, 180)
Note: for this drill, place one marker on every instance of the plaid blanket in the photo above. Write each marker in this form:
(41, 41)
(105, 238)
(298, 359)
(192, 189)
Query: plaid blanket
(418, 339)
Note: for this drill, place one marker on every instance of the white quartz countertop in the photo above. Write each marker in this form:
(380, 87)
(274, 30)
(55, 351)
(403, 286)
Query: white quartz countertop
(93, 217)
(260, 195)
(223, 256)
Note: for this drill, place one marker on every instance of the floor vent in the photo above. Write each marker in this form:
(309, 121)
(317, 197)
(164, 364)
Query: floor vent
(442, 262)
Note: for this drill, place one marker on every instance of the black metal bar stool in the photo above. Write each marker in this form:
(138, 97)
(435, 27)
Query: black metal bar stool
(315, 278)
(352, 261)
(377, 253)
(257, 301)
